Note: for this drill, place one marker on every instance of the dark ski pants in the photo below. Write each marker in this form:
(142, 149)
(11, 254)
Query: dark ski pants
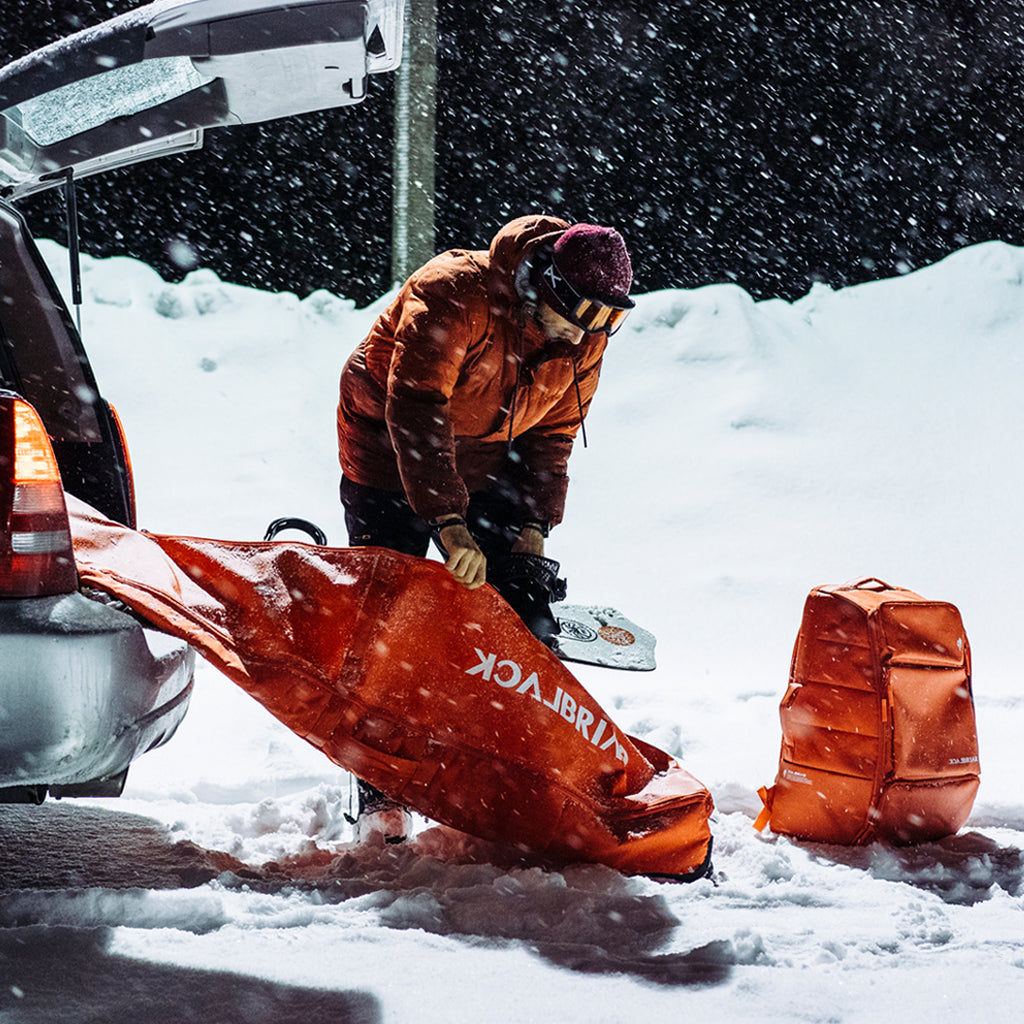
(378, 518)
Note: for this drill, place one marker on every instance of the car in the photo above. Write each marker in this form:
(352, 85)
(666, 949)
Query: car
(86, 687)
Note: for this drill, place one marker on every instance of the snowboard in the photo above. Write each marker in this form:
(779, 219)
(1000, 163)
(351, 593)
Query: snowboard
(596, 635)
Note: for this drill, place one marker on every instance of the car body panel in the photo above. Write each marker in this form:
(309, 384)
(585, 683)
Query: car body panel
(88, 686)
(153, 80)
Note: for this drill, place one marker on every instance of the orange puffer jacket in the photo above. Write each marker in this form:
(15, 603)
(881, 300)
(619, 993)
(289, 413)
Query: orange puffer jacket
(451, 370)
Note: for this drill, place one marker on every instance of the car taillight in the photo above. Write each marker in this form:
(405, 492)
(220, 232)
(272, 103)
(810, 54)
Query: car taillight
(130, 482)
(36, 556)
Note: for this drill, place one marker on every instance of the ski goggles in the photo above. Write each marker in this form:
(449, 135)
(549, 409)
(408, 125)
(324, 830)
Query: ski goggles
(594, 316)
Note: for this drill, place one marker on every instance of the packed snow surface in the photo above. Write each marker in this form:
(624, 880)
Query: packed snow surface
(740, 453)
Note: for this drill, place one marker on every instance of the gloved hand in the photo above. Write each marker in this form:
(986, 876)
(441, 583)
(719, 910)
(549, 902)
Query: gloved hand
(529, 542)
(466, 562)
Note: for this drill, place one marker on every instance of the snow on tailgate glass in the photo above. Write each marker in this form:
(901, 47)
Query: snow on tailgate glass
(77, 107)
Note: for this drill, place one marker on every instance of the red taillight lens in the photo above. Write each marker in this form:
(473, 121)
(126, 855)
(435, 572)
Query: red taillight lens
(36, 557)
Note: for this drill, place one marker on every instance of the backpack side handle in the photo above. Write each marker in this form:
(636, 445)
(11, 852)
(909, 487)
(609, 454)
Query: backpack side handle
(867, 583)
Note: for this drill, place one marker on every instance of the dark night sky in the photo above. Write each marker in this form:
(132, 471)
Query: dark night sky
(769, 143)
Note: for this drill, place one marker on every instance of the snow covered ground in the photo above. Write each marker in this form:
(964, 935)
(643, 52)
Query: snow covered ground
(740, 453)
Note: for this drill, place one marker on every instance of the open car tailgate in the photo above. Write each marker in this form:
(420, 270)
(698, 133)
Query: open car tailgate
(153, 80)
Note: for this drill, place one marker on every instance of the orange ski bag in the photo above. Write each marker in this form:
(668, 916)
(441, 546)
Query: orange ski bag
(878, 728)
(437, 695)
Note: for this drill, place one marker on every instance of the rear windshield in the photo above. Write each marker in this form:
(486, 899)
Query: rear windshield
(119, 92)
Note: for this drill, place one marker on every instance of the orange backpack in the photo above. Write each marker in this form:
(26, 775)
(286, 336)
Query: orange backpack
(878, 730)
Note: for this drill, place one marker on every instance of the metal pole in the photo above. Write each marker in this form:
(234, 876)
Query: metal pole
(412, 217)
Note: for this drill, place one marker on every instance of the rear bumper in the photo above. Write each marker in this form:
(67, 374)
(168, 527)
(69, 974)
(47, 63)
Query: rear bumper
(84, 690)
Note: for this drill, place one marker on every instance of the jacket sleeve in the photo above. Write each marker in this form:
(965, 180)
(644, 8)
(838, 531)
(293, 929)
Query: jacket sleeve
(543, 451)
(441, 314)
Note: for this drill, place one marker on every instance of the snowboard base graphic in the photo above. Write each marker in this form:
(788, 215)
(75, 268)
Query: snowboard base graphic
(596, 635)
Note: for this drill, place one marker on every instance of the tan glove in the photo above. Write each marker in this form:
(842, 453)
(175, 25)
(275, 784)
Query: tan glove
(529, 542)
(466, 562)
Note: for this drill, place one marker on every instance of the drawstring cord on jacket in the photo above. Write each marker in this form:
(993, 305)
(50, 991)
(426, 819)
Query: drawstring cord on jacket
(579, 403)
(519, 369)
(515, 391)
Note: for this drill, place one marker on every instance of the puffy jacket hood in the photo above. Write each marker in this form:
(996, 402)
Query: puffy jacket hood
(510, 246)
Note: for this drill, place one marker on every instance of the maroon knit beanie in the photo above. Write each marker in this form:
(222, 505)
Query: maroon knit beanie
(595, 262)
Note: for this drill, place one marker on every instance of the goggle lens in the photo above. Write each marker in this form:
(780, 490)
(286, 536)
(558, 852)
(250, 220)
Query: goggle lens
(595, 317)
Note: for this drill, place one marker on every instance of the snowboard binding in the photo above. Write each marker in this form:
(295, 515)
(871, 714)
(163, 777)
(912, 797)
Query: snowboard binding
(529, 583)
